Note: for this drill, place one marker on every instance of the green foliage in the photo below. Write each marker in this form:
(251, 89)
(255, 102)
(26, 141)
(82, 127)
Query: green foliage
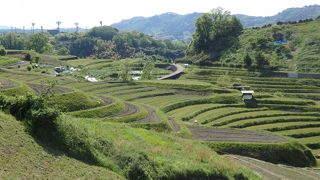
(215, 32)
(5, 60)
(33, 159)
(28, 57)
(13, 41)
(104, 32)
(130, 151)
(82, 47)
(247, 60)
(31, 108)
(39, 42)
(29, 68)
(3, 51)
(147, 71)
(73, 101)
(125, 71)
(293, 153)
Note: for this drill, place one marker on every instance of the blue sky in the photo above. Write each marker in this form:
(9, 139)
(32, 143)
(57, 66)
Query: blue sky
(88, 13)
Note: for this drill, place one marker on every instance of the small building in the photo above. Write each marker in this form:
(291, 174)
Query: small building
(53, 32)
(247, 94)
(59, 69)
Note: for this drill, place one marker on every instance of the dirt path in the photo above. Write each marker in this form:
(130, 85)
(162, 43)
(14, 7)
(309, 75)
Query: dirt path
(215, 134)
(174, 124)
(177, 72)
(274, 171)
(151, 118)
(128, 110)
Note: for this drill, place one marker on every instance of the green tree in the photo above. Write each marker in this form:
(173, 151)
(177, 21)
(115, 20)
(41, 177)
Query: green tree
(261, 61)
(103, 32)
(3, 51)
(13, 41)
(215, 32)
(39, 42)
(147, 71)
(82, 47)
(247, 60)
(125, 71)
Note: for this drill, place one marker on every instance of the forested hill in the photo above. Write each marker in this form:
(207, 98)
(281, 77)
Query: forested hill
(175, 26)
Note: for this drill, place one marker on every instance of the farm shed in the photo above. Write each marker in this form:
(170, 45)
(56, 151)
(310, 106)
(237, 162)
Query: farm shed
(247, 94)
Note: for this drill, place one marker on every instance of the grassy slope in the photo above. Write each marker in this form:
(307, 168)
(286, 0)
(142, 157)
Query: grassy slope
(304, 43)
(158, 155)
(22, 157)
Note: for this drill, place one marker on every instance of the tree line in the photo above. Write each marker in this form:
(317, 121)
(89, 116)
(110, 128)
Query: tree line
(100, 42)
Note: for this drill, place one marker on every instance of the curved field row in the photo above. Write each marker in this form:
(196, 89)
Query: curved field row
(283, 126)
(131, 113)
(94, 87)
(187, 111)
(103, 111)
(6, 84)
(110, 90)
(250, 115)
(215, 134)
(145, 94)
(212, 116)
(163, 101)
(271, 120)
(129, 109)
(38, 89)
(301, 132)
(133, 91)
(268, 170)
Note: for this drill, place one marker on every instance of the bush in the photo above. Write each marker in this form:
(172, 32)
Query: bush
(37, 59)
(292, 153)
(32, 109)
(29, 68)
(3, 51)
(27, 57)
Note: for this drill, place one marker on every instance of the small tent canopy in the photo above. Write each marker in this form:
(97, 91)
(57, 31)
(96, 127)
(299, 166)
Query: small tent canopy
(247, 94)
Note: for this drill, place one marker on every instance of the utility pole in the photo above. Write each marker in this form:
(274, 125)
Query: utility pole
(33, 24)
(23, 30)
(77, 27)
(58, 23)
(42, 29)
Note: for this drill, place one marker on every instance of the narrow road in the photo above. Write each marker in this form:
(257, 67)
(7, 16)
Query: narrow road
(178, 70)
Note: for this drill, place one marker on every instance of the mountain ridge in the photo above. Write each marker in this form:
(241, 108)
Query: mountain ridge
(175, 26)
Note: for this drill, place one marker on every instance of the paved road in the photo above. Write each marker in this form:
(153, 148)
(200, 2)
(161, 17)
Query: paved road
(178, 71)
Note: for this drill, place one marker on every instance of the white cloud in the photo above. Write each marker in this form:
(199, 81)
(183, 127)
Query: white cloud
(88, 13)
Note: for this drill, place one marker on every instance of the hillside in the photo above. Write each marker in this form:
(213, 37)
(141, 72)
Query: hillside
(165, 25)
(159, 129)
(22, 156)
(299, 54)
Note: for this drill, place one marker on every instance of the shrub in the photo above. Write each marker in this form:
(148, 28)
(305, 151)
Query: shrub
(291, 153)
(37, 59)
(27, 57)
(32, 109)
(3, 51)
(29, 68)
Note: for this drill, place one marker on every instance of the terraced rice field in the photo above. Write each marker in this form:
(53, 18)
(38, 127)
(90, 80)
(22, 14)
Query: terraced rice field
(288, 107)
(273, 171)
